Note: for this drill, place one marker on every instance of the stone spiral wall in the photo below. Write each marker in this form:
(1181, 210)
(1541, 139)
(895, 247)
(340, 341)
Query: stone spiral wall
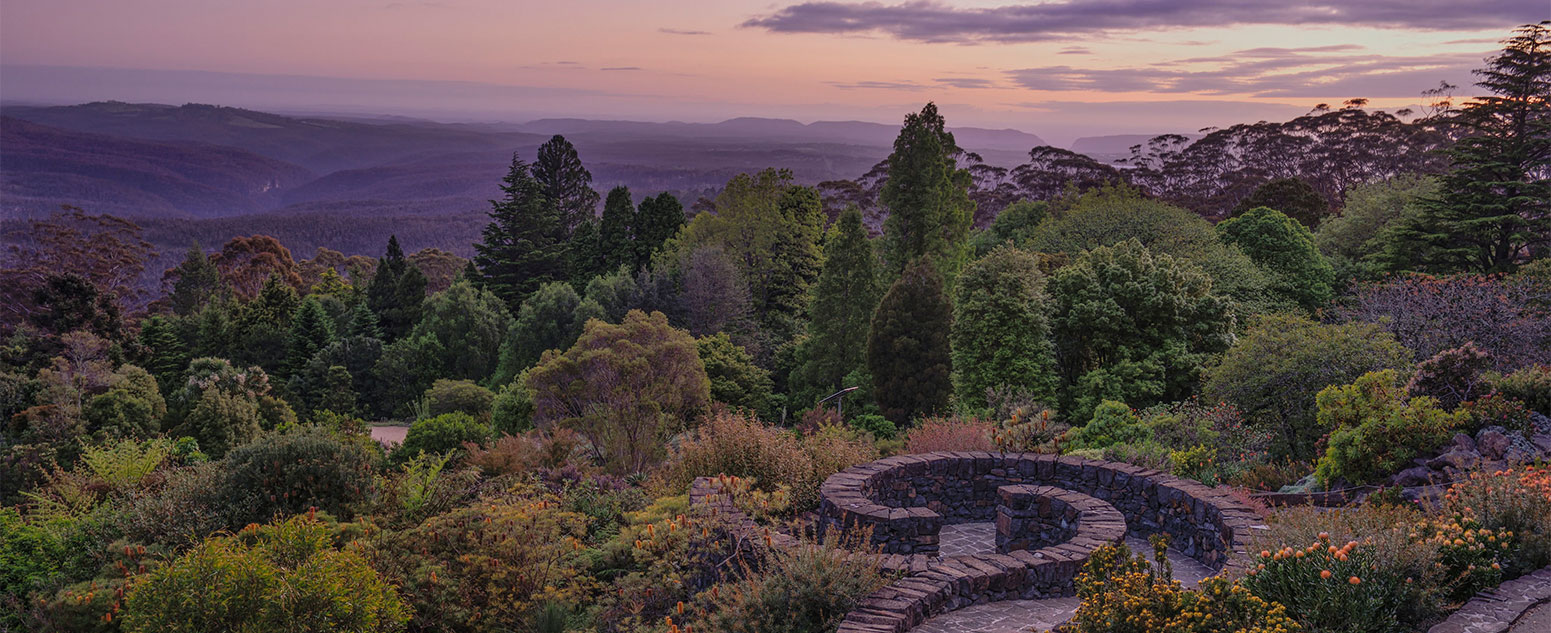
(908, 498)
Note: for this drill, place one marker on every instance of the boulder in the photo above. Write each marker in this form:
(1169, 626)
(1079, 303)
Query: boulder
(1492, 443)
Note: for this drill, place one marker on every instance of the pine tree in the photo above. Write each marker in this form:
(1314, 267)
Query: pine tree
(524, 245)
(311, 330)
(615, 231)
(927, 197)
(363, 322)
(1001, 329)
(907, 348)
(165, 356)
(198, 280)
(566, 182)
(844, 298)
(658, 220)
(396, 292)
(1495, 207)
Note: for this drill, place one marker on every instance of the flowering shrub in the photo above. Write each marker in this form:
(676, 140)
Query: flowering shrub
(232, 584)
(1122, 593)
(661, 558)
(489, 566)
(1331, 588)
(1198, 462)
(950, 434)
(1512, 503)
(1469, 556)
(1497, 410)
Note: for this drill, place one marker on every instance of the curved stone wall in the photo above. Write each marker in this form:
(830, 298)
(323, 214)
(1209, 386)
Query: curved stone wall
(907, 499)
(1032, 517)
(1084, 504)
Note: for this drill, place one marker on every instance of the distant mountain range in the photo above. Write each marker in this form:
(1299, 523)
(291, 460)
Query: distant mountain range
(163, 161)
(207, 173)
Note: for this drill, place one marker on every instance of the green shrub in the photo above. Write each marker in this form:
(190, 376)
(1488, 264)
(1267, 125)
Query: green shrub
(221, 421)
(445, 432)
(283, 577)
(796, 590)
(1112, 423)
(453, 396)
(1274, 370)
(1530, 385)
(1376, 429)
(879, 426)
(512, 411)
(292, 472)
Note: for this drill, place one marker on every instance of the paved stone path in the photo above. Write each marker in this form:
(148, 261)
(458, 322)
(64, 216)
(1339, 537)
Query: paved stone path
(1538, 620)
(965, 539)
(1017, 616)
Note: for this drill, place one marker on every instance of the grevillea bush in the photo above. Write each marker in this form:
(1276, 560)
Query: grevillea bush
(1122, 593)
(489, 566)
(1376, 429)
(287, 576)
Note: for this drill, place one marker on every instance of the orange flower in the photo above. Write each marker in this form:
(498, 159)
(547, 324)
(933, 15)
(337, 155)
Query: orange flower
(1325, 574)
(1354, 580)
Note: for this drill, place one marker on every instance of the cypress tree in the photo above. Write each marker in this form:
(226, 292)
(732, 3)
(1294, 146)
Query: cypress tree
(1495, 207)
(1001, 329)
(524, 245)
(615, 231)
(843, 302)
(565, 181)
(907, 348)
(657, 221)
(311, 330)
(927, 196)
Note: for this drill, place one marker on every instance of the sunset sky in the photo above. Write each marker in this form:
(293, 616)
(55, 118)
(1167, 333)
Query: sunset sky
(1058, 69)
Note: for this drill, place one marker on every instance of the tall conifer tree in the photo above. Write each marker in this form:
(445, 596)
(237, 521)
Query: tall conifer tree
(524, 245)
(907, 348)
(1495, 207)
(927, 197)
(396, 292)
(565, 182)
(843, 301)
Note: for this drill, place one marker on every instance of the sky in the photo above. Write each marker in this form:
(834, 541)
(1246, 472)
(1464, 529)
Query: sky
(1058, 68)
